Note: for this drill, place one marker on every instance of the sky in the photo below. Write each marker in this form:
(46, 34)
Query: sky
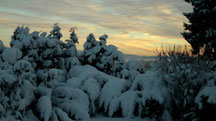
(134, 26)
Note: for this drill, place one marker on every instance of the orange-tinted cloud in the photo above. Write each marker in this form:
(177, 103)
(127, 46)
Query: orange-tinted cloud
(136, 27)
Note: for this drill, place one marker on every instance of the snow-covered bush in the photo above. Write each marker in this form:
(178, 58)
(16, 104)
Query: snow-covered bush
(2, 47)
(206, 100)
(42, 77)
(8, 56)
(11, 55)
(112, 89)
(154, 96)
(36, 87)
(26, 43)
(107, 94)
(44, 107)
(72, 101)
(135, 65)
(90, 80)
(185, 76)
(85, 72)
(132, 69)
(7, 81)
(147, 97)
(65, 99)
(92, 88)
(44, 51)
(17, 90)
(104, 57)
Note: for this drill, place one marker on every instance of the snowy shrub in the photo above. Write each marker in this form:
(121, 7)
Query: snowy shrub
(72, 101)
(6, 83)
(2, 47)
(206, 101)
(21, 38)
(132, 69)
(11, 55)
(185, 76)
(56, 74)
(71, 61)
(90, 80)
(105, 58)
(154, 95)
(44, 51)
(135, 65)
(209, 94)
(70, 46)
(55, 33)
(3, 65)
(17, 90)
(147, 97)
(24, 71)
(51, 75)
(59, 115)
(92, 88)
(44, 107)
(70, 51)
(152, 109)
(123, 104)
(113, 88)
(44, 89)
(33, 89)
(74, 82)
(83, 73)
(42, 78)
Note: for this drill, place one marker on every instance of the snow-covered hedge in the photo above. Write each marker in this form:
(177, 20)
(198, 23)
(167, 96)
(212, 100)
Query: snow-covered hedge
(44, 78)
(190, 81)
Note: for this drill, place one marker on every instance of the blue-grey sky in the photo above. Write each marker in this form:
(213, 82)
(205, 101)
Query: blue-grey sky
(134, 26)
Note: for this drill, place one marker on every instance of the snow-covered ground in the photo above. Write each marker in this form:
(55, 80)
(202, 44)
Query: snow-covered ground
(100, 117)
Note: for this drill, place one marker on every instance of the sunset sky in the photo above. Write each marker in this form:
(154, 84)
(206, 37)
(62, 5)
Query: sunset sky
(134, 26)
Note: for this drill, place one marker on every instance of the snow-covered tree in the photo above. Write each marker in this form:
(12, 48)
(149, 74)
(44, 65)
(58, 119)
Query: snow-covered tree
(73, 35)
(70, 53)
(201, 30)
(55, 33)
(50, 58)
(105, 58)
(41, 51)
(50, 53)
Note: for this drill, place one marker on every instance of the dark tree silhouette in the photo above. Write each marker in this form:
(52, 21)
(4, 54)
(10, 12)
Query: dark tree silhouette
(200, 32)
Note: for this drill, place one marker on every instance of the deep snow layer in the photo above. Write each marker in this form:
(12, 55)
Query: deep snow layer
(100, 117)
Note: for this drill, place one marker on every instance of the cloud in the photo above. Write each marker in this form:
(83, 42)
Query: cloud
(124, 21)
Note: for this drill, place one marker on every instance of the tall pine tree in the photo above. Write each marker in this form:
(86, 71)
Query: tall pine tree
(200, 32)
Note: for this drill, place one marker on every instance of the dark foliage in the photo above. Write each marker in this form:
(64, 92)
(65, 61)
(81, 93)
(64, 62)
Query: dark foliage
(200, 32)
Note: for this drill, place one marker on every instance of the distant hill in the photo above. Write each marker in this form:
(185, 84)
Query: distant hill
(135, 57)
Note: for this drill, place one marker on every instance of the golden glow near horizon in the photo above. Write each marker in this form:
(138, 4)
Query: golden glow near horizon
(135, 27)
